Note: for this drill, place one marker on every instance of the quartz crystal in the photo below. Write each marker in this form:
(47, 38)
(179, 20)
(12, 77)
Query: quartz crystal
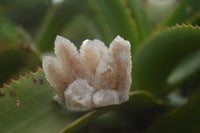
(94, 77)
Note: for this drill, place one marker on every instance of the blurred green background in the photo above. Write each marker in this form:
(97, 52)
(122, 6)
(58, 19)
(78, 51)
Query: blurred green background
(35, 23)
(165, 46)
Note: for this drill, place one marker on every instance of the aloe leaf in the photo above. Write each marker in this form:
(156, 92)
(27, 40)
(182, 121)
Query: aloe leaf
(182, 120)
(123, 20)
(55, 21)
(24, 12)
(10, 57)
(11, 62)
(94, 12)
(183, 12)
(140, 100)
(195, 19)
(18, 57)
(28, 51)
(7, 31)
(27, 106)
(141, 111)
(79, 29)
(186, 69)
(108, 17)
(80, 122)
(140, 96)
(157, 57)
(23, 37)
(139, 14)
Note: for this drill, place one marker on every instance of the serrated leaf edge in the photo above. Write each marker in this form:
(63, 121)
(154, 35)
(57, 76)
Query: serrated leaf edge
(20, 78)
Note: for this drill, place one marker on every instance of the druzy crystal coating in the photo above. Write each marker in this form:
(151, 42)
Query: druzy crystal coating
(94, 76)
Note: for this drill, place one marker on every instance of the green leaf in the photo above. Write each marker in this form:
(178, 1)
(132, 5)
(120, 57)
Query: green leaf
(92, 11)
(182, 120)
(11, 61)
(55, 21)
(123, 20)
(112, 18)
(108, 17)
(195, 19)
(156, 58)
(7, 31)
(139, 14)
(79, 29)
(82, 121)
(18, 57)
(183, 12)
(186, 69)
(141, 110)
(141, 100)
(27, 106)
(27, 48)
(138, 100)
(24, 12)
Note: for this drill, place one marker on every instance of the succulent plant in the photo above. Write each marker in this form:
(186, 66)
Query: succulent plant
(165, 72)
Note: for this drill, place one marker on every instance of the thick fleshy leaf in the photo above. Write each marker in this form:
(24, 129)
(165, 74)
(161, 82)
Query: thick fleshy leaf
(18, 57)
(16, 52)
(80, 28)
(145, 98)
(96, 14)
(195, 19)
(138, 13)
(24, 12)
(123, 20)
(11, 61)
(183, 12)
(111, 12)
(156, 58)
(27, 106)
(185, 70)
(7, 31)
(55, 21)
(15, 61)
(182, 120)
(82, 121)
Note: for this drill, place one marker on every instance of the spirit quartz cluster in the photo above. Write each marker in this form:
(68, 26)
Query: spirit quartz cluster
(92, 77)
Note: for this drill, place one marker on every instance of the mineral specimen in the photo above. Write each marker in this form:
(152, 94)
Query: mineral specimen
(94, 77)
